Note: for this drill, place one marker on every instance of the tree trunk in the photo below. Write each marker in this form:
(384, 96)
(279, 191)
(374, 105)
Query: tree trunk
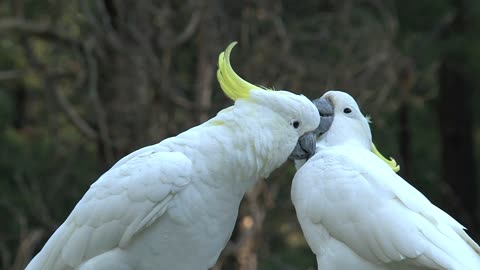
(406, 83)
(455, 111)
(20, 97)
(207, 50)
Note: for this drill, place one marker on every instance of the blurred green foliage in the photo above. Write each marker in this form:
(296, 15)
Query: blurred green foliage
(130, 89)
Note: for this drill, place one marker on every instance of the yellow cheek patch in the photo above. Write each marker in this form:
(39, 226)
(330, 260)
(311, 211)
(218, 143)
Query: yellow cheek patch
(232, 85)
(391, 162)
(218, 123)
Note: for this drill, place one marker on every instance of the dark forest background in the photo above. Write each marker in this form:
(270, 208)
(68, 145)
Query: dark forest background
(84, 82)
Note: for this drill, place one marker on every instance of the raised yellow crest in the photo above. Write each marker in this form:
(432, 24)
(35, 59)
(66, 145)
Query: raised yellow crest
(232, 85)
(391, 162)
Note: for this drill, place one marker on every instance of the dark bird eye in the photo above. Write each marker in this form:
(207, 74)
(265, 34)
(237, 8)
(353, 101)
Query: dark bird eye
(296, 124)
(347, 110)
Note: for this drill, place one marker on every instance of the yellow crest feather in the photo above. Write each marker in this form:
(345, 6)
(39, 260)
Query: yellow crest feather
(232, 85)
(391, 162)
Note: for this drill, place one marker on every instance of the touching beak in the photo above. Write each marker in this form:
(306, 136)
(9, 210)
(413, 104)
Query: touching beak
(326, 111)
(305, 147)
(307, 143)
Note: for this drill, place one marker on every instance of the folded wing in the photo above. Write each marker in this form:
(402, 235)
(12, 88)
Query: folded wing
(361, 202)
(122, 202)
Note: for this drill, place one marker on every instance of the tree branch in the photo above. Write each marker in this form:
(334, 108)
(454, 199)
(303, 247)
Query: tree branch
(37, 29)
(11, 74)
(187, 32)
(76, 119)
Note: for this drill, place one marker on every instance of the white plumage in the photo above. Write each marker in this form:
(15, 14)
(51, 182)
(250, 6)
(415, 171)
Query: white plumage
(356, 213)
(173, 205)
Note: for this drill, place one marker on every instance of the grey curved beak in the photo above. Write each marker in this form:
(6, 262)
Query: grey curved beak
(326, 110)
(307, 143)
(305, 147)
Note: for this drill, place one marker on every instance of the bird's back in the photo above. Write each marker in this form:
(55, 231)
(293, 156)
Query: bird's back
(377, 216)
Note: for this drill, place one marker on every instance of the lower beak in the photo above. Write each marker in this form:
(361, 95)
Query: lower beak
(305, 147)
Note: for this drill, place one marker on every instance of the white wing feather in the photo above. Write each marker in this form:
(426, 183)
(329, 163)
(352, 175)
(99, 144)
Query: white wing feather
(361, 202)
(122, 202)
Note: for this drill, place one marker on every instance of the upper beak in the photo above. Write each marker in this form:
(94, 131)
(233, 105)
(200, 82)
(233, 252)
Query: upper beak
(305, 147)
(326, 110)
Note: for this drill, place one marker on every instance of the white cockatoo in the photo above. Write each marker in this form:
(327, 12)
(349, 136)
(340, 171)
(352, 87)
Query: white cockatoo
(173, 205)
(357, 213)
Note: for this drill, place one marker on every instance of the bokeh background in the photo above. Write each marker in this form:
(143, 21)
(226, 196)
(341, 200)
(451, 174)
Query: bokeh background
(84, 82)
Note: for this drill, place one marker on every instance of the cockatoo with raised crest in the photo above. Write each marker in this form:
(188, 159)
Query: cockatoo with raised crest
(173, 205)
(357, 213)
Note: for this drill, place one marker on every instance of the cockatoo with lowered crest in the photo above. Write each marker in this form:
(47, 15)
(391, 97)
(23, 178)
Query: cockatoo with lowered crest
(173, 205)
(357, 213)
